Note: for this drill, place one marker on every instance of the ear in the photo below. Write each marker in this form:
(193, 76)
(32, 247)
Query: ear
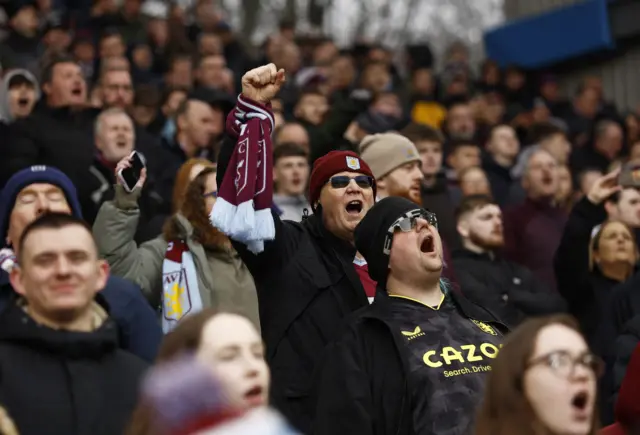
(275, 175)
(610, 208)
(181, 122)
(524, 182)
(297, 112)
(451, 161)
(15, 277)
(463, 228)
(103, 275)
(46, 88)
(381, 184)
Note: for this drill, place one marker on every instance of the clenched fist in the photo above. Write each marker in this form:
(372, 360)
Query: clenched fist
(263, 83)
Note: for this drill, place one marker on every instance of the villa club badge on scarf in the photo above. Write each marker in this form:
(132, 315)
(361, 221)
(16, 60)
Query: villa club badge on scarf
(353, 163)
(243, 208)
(180, 295)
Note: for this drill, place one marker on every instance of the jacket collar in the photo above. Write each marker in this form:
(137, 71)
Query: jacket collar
(17, 327)
(380, 309)
(317, 229)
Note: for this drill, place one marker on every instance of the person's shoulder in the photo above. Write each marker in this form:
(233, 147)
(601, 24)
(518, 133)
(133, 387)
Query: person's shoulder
(476, 312)
(121, 292)
(131, 364)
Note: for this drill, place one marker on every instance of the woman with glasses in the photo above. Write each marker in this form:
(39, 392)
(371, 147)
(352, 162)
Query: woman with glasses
(414, 361)
(543, 382)
(190, 266)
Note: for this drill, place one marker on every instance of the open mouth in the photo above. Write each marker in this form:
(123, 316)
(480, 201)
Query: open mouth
(121, 143)
(580, 400)
(23, 102)
(76, 92)
(354, 207)
(427, 245)
(254, 396)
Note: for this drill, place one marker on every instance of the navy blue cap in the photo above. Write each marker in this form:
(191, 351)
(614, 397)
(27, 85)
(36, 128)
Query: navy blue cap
(35, 174)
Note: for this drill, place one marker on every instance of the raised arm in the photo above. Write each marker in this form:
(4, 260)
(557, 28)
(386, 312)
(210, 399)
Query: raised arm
(259, 86)
(571, 262)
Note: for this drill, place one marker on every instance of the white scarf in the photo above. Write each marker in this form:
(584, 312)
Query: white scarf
(180, 292)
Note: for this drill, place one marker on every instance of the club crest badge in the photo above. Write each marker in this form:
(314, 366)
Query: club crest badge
(484, 327)
(353, 163)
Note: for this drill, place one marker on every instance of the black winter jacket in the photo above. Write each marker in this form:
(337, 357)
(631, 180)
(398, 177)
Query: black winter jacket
(362, 386)
(307, 285)
(56, 382)
(510, 290)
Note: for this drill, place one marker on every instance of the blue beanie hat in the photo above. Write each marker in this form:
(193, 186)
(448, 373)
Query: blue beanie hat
(35, 174)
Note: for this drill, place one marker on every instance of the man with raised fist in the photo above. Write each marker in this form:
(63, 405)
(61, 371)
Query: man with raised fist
(308, 276)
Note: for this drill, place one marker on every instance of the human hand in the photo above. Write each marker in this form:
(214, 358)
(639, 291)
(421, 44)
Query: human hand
(604, 187)
(126, 163)
(263, 83)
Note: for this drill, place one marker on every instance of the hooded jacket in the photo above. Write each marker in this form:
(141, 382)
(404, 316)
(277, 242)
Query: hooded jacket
(5, 112)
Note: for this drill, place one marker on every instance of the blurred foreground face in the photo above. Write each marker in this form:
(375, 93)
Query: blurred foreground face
(60, 273)
(232, 347)
(560, 384)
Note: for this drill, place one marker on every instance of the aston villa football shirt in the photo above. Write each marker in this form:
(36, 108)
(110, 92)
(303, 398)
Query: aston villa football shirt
(449, 356)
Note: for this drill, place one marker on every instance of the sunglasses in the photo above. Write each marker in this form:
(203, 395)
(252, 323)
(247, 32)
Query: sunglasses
(408, 223)
(342, 181)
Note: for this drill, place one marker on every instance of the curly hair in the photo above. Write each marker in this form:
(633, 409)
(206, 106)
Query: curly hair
(194, 210)
(182, 180)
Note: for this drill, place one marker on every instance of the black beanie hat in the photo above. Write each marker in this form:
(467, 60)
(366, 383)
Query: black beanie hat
(372, 230)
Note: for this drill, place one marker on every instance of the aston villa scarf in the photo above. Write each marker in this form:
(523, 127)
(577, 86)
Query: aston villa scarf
(243, 208)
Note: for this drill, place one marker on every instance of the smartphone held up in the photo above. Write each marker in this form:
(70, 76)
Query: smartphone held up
(130, 176)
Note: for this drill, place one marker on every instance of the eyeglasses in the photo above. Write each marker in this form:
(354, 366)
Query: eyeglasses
(342, 181)
(407, 223)
(564, 364)
(210, 194)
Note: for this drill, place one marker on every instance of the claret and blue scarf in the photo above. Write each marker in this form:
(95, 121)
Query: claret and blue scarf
(243, 208)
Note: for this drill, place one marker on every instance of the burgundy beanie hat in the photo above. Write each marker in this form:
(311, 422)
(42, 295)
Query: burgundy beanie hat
(329, 165)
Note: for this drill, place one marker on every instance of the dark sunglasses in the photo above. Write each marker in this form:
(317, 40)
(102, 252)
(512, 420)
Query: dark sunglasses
(408, 223)
(211, 194)
(342, 181)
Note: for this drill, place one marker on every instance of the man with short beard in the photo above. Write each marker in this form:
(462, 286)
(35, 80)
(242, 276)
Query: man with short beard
(508, 289)
(395, 163)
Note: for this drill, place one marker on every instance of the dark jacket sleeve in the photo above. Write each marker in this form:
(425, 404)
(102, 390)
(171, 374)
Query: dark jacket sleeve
(536, 298)
(278, 251)
(21, 150)
(324, 138)
(625, 345)
(344, 397)
(140, 331)
(571, 261)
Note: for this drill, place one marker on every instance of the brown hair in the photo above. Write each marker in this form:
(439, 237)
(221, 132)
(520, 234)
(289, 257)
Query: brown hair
(185, 338)
(473, 202)
(193, 209)
(422, 133)
(505, 409)
(182, 180)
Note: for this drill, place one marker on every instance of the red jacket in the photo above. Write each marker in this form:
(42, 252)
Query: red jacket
(628, 405)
